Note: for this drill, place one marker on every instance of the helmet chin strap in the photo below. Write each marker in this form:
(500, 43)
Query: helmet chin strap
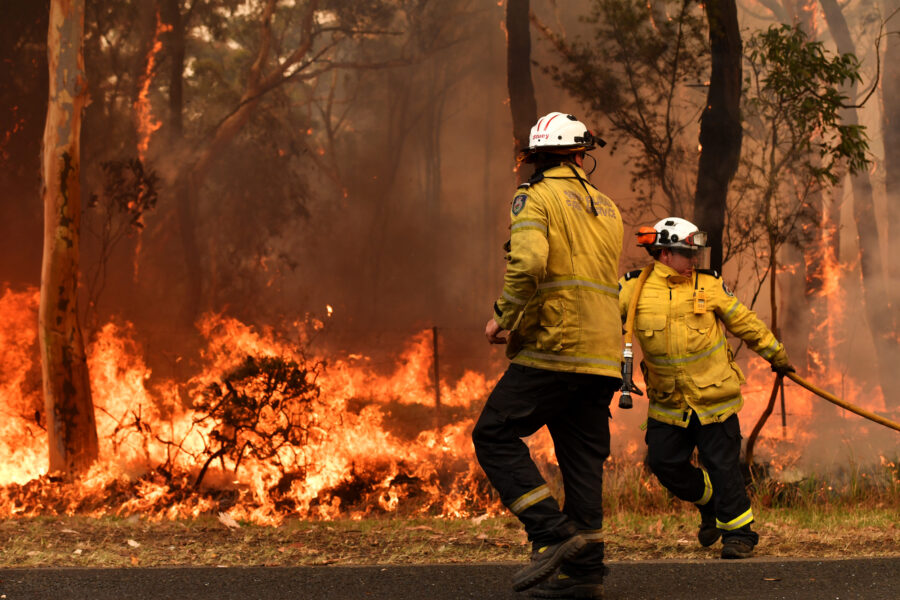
(594, 166)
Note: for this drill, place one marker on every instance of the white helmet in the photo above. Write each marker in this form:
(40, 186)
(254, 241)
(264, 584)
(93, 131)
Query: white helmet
(559, 132)
(672, 232)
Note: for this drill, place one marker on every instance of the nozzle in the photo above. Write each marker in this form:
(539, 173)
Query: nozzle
(625, 399)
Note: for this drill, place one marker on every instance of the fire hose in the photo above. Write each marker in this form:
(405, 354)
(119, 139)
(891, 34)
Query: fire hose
(628, 386)
(751, 439)
(843, 403)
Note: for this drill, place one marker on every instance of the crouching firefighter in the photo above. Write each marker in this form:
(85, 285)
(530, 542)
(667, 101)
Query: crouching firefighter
(559, 307)
(693, 383)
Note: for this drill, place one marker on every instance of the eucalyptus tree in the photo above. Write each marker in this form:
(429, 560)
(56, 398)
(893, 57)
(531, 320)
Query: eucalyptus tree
(797, 142)
(645, 75)
(71, 429)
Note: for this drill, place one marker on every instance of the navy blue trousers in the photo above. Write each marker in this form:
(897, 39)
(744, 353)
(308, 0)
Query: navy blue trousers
(575, 409)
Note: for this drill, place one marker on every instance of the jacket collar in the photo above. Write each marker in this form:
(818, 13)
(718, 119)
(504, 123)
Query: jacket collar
(667, 272)
(563, 170)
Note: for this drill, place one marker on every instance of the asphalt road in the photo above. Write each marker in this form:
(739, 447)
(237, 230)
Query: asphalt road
(868, 579)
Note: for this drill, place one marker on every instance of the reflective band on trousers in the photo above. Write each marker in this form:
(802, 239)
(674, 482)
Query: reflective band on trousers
(592, 536)
(707, 489)
(736, 523)
(584, 283)
(529, 499)
(588, 360)
(659, 360)
(520, 225)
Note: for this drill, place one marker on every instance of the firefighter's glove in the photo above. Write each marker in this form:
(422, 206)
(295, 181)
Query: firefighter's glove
(781, 364)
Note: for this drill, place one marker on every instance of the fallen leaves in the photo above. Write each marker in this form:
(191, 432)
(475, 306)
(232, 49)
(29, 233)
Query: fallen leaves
(228, 521)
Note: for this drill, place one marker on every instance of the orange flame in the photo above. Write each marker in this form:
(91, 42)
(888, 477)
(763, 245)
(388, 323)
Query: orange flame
(143, 110)
(353, 462)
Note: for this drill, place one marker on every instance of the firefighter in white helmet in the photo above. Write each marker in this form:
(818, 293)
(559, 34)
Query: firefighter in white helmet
(693, 383)
(559, 307)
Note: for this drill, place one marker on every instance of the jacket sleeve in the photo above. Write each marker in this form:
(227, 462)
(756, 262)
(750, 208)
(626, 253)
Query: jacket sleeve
(527, 258)
(743, 322)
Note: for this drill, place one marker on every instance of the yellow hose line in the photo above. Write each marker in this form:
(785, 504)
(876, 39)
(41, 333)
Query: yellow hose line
(844, 404)
(632, 306)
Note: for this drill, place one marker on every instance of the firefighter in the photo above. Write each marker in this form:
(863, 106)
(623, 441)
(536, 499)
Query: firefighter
(558, 316)
(693, 383)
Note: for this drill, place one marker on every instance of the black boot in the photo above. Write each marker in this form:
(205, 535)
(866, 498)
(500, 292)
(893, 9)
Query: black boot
(736, 548)
(545, 560)
(574, 586)
(708, 533)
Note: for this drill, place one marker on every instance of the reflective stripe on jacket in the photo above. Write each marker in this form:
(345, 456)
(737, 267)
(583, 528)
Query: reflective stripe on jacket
(688, 364)
(560, 296)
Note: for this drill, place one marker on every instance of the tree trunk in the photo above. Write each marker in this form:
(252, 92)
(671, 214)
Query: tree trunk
(795, 305)
(522, 104)
(171, 12)
(71, 429)
(801, 290)
(720, 125)
(890, 120)
(195, 169)
(184, 192)
(879, 313)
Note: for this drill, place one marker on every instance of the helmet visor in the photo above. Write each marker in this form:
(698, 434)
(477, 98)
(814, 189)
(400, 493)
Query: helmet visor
(698, 238)
(702, 258)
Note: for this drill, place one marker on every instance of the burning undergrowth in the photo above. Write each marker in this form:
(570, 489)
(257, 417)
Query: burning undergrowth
(263, 431)
(266, 429)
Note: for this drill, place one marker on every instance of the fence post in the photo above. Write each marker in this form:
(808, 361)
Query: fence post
(437, 371)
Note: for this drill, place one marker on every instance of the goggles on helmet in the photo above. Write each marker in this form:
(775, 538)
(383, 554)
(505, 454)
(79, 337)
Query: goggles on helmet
(648, 236)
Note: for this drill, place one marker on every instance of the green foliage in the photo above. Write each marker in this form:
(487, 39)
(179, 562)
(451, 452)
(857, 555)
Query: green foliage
(796, 140)
(796, 91)
(644, 74)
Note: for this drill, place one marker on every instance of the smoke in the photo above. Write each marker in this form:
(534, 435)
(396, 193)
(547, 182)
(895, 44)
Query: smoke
(381, 193)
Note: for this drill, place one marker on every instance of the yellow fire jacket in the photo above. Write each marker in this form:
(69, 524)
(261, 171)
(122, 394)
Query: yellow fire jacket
(688, 365)
(560, 297)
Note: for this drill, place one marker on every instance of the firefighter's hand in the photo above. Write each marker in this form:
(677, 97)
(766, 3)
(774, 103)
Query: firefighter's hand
(781, 364)
(783, 369)
(492, 332)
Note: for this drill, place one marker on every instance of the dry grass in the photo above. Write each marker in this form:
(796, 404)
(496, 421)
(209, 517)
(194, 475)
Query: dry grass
(850, 514)
(108, 542)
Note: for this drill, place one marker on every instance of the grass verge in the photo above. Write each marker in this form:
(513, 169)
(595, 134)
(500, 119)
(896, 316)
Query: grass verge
(134, 542)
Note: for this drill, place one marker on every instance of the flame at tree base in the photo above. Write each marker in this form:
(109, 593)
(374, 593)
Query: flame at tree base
(339, 451)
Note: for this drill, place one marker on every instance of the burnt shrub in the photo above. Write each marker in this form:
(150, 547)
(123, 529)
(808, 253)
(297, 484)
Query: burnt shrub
(261, 409)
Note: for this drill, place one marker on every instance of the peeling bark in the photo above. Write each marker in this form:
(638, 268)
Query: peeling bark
(71, 429)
